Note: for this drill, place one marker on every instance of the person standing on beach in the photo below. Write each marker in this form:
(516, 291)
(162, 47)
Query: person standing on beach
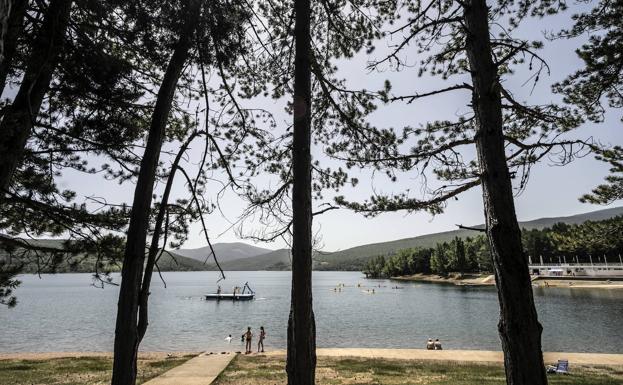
(248, 336)
(260, 342)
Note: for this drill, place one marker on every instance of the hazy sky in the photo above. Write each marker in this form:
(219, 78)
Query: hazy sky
(552, 191)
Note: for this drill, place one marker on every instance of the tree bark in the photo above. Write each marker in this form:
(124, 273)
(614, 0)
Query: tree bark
(301, 355)
(143, 304)
(12, 29)
(20, 115)
(519, 328)
(126, 329)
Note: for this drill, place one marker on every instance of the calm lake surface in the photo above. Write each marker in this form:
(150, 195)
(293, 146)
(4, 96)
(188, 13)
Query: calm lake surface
(65, 312)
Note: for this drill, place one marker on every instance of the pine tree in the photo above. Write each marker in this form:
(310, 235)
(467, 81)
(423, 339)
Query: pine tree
(216, 29)
(456, 40)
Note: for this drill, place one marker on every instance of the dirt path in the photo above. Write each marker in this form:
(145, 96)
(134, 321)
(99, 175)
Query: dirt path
(201, 370)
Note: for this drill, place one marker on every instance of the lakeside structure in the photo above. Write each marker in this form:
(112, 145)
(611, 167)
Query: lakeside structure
(590, 270)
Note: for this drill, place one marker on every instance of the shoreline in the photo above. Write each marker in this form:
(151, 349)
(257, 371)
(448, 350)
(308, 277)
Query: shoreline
(578, 283)
(609, 359)
(54, 355)
(489, 280)
(468, 279)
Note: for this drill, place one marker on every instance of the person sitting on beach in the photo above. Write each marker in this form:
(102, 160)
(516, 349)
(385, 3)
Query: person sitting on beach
(261, 339)
(430, 345)
(248, 336)
(438, 344)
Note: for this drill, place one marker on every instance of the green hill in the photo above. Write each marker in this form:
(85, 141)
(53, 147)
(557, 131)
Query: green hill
(355, 257)
(225, 251)
(84, 263)
(274, 260)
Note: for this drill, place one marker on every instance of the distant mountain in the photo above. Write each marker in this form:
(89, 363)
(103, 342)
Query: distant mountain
(240, 256)
(274, 260)
(81, 263)
(598, 215)
(225, 252)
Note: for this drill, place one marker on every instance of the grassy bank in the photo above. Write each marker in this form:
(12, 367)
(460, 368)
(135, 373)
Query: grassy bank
(78, 370)
(269, 370)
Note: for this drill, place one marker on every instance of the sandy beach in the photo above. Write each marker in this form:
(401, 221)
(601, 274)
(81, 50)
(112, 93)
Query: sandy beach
(404, 354)
(489, 280)
(453, 278)
(578, 283)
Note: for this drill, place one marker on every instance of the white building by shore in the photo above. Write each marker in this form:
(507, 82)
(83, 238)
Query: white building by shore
(578, 270)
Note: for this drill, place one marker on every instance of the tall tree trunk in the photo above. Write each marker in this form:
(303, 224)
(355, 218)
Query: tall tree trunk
(519, 328)
(126, 329)
(12, 29)
(19, 117)
(143, 303)
(5, 12)
(301, 357)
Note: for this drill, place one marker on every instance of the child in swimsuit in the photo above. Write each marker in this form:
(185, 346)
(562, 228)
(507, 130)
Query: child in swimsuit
(261, 340)
(247, 337)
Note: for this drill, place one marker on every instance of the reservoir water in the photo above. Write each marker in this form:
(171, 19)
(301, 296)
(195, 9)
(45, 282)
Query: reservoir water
(65, 312)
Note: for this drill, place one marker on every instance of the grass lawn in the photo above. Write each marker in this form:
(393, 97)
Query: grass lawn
(262, 370)
(77, 370)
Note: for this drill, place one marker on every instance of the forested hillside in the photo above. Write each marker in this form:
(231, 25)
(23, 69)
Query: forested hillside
(599, 240)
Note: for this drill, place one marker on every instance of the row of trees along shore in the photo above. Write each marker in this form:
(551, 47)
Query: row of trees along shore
(118, 93)
(591, 241)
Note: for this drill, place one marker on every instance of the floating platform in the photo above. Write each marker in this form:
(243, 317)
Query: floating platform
(247, 294)
(230, 297)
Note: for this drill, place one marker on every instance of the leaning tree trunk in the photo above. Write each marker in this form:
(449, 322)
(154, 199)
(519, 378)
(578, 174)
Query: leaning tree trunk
(12, 28)
(519, 328)
(126, 329)
(20, 115)
(301, 357)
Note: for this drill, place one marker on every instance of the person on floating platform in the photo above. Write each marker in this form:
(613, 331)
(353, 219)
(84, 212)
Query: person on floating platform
(260, 342)
(438, 344)
(218, 290)
(248, 336)
(430, 345)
